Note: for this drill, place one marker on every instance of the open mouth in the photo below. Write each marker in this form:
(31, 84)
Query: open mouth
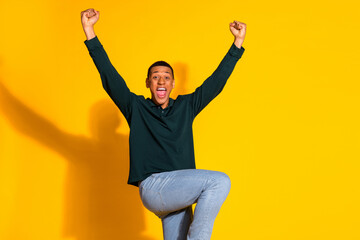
(161, 92)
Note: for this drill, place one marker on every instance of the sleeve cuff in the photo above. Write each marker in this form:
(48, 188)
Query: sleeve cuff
(236, 52)
(92, 43)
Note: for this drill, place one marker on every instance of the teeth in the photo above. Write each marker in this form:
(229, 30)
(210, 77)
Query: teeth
(161, 89)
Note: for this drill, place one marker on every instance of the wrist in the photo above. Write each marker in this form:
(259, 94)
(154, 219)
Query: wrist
(89, 32)
(238, 42)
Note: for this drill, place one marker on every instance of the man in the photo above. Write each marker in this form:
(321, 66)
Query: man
(162, 162)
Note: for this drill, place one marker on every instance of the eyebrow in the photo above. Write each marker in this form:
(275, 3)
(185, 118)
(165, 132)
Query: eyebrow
(158, 71)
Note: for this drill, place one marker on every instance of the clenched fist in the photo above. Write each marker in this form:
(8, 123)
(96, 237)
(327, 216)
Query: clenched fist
(89, 17)
(238, 29)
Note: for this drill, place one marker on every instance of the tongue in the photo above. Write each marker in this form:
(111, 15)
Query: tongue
(161, 94)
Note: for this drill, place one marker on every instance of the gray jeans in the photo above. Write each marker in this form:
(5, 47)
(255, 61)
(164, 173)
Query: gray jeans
(170, 196)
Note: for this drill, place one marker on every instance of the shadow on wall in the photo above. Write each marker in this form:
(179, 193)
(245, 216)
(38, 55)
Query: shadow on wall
(181, 78)
(98, 203)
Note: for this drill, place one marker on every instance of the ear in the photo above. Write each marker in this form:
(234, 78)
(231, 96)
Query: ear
(147, 83)
(173, 84)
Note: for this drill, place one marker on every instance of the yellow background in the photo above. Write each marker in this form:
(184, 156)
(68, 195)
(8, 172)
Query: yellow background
(285, 128)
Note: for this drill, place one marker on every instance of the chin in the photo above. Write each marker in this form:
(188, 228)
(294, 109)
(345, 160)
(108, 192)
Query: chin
(161, 101)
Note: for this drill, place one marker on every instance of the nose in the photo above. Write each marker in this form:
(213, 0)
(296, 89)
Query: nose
(161, 80)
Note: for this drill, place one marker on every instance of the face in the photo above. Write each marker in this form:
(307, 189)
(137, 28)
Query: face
(160, 82)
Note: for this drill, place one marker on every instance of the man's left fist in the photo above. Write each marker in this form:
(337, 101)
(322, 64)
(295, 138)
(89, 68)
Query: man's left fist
(238, 29)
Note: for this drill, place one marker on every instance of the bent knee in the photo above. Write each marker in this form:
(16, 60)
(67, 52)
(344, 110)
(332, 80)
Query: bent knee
(222, 180)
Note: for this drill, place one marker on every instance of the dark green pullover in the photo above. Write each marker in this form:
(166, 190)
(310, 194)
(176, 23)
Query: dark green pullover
(160, 139)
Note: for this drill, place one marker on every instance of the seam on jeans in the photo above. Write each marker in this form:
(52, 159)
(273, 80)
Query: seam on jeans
(203, 232)
(162, 204)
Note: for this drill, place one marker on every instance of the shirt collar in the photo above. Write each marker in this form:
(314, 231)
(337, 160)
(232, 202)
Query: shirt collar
(152, 104)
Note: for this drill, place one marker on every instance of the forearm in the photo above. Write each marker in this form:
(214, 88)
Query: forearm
(112, 81)
(213, 85)
(217, 80)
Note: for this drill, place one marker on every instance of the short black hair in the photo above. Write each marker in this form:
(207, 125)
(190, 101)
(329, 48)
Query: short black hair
(160, 63)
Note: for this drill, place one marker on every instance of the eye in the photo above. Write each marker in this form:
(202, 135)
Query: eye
(155, 77)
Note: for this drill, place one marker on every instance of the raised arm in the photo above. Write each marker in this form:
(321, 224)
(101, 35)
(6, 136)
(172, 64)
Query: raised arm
(213, 85)
(112, 82)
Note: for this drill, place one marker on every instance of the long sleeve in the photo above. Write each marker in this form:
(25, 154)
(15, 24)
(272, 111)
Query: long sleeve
(213, 85)
(112, 82)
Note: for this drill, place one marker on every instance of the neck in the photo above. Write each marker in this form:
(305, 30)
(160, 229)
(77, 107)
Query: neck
(164, 105)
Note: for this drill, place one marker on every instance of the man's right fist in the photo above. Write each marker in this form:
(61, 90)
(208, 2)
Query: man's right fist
(89, 17)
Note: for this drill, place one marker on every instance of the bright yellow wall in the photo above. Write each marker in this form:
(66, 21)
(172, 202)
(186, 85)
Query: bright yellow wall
(285, 128)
